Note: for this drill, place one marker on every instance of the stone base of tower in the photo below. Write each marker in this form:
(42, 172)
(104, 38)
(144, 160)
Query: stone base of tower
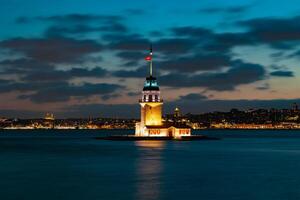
(164, 132)
(172, 131)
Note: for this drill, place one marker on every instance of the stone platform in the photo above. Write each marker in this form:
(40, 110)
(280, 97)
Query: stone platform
(140, 138)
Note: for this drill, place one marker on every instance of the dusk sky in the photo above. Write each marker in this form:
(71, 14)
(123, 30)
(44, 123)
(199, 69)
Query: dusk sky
(80, 58)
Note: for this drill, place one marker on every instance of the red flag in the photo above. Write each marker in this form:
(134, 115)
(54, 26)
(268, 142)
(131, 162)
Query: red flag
(148, 58)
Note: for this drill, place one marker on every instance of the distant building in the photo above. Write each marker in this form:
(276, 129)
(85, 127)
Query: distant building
(295, 108)
(3, 119)
(49, 120)
(49, 116)
(151, 112)
(177, 112)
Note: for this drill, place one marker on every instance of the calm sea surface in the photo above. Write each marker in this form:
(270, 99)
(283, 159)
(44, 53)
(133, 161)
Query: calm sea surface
(244, 165)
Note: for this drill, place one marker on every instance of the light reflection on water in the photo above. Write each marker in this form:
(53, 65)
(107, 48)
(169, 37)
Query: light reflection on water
(149, 169)
(151, 144)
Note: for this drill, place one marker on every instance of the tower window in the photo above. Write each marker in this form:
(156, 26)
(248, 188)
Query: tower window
(150, 97)
(156, 98)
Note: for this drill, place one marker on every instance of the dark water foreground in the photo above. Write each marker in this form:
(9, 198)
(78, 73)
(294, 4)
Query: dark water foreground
(244, 165)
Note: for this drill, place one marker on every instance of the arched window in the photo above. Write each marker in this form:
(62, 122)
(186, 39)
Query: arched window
(150, 98)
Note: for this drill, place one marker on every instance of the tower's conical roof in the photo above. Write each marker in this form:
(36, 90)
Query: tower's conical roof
(150, 82)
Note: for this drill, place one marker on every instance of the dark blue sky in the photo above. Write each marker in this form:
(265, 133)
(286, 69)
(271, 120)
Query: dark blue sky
(85, 58)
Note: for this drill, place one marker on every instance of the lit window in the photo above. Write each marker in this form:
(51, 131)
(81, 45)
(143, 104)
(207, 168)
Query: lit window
(150, 98)
(154, 83)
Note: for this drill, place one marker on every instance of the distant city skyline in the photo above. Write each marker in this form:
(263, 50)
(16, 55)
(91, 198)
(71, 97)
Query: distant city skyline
(86, 58)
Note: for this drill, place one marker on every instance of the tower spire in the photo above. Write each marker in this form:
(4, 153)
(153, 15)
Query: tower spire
(151, 59)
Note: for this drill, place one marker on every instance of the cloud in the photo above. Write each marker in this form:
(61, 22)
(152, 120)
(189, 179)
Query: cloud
(94, 72)
(266, 86)
(64, 92)
(49, 50)
(224, 42)
(208, 41)
(71, 18)
(137, 43)
(103, 110)
(57, 75)
(192, 97)
(22, 20)
(278, 33)
(134, 47)
(187, 56)
(295, 54)
(80, 18)
(282, 33)
(197, 62)
(44, 83)
(156, 34)
(174, 45)
(281, 73)
(136, 73)
(4, 81)
(62, 31)
(77, 24)
(191, 31)
(6, 85)
(30, 70)
(109, 96)
(59, 91)
(193, 40)
(131, 94)
(23, 66)
(131, 56)
(239, 73)
(226, 10)
(277, 55)
(10, 85)
(125, 42)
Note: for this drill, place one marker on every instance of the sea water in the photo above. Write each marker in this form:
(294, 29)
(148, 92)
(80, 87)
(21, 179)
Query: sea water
(72, 164)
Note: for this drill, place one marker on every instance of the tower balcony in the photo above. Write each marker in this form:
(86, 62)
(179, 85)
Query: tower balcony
(151, 101)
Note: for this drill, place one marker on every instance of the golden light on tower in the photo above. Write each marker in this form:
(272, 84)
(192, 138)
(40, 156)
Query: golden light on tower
(153, 113)
(151, 110)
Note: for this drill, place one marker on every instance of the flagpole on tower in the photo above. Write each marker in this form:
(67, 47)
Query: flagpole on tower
(151, 60)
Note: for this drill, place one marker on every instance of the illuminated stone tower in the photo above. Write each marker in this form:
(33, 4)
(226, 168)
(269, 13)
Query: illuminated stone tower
(151, 103)
(151, 124)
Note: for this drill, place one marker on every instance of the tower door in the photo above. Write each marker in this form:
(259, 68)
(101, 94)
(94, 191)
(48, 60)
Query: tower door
(170, 133)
